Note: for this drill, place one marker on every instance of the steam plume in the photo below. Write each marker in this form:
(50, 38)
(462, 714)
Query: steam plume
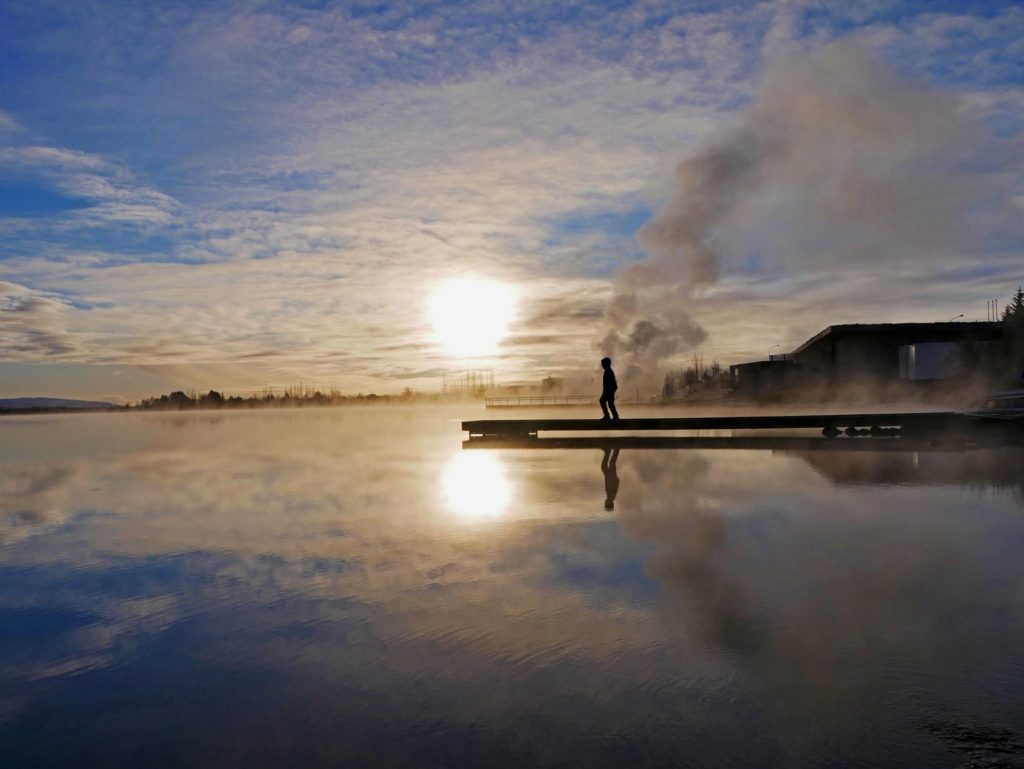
(839, 161)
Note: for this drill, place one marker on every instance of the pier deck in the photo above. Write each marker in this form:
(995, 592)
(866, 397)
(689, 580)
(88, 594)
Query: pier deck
(830, 423)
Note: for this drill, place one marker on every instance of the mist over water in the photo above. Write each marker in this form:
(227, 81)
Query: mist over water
(352, 587)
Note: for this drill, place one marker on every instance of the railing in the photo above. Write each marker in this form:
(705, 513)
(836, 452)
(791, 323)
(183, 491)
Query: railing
(540, 400)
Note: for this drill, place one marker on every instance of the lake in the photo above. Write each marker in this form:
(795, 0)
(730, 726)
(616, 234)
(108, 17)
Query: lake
(352, 587)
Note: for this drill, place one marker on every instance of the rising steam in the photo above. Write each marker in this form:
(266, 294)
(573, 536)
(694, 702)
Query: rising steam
(839, 162)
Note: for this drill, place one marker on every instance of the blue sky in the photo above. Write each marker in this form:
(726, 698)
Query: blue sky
(236, 194)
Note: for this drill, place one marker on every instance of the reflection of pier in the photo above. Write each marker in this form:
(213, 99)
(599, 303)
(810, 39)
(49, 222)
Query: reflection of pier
(986, 466)
(994, 461)
(756, 442)
(829, 424)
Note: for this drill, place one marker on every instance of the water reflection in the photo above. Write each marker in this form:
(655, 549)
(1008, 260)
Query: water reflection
(997, 469)
(609, 469)
(32, 499)
(997, 465)
(288, 588)
(475, 486)
(856, 609)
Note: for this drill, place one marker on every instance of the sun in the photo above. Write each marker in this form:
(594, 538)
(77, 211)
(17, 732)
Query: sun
(471, 316)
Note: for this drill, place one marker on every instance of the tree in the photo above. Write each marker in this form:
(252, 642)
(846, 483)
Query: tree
(669, 389)
(179, 400)
(213, 398)
(1014, 311)
(1013, 337)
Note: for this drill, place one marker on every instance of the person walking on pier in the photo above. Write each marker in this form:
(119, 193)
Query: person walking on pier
(608, 390)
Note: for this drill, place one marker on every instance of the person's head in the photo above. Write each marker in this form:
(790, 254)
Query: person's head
(606, 362)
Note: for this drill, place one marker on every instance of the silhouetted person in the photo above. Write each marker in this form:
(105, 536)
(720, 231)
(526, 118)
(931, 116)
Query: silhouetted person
(608, 390)
(611, 477)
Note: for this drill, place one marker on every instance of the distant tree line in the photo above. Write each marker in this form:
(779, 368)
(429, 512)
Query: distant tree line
(696, 376)
(180, 400)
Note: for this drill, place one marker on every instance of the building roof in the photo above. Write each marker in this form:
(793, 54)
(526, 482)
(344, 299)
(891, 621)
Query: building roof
(953, 331)
(777, 363)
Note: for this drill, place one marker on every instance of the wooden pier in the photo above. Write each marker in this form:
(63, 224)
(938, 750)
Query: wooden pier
(829, 424)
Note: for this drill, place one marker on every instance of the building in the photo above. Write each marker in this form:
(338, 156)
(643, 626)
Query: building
(869, 353)
(764, 378)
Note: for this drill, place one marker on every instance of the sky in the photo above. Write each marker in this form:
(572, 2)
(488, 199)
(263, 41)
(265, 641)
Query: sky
(235, 195)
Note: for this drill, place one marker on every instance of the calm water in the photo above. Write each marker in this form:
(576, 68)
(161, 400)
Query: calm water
(351, 587)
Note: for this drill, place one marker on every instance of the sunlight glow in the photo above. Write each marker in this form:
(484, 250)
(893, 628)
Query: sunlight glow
(474, 486)
(471, 316)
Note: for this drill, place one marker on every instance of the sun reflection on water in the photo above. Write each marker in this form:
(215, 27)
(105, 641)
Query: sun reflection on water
(475, 487)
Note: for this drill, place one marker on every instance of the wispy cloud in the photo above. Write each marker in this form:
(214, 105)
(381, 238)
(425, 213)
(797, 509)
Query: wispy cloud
(33, 325)
(7, 123)
(110, 194)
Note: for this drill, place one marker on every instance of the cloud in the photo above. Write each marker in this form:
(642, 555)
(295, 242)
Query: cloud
(7, 123)
(329, 166)
(33, 325)
(114, 196)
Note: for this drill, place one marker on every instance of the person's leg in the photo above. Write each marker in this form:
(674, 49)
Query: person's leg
(604, 404)
(611, 405)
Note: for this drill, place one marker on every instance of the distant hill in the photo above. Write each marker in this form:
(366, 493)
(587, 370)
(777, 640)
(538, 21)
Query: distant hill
(11, 404)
